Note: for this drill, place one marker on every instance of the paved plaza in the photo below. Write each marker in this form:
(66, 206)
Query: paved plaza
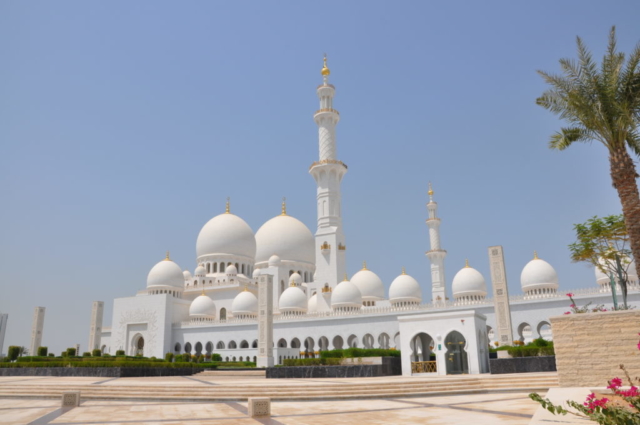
(22, 402)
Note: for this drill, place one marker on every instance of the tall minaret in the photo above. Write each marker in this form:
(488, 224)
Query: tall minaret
(328, 173)
(436, 254)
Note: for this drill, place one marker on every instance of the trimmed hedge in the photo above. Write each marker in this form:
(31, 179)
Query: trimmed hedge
(96, 352)
(531, 351)
(359, 352)
(42, 351)
(328, 361)
(98, 363)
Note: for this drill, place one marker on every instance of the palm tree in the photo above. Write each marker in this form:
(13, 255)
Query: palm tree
(602, 105)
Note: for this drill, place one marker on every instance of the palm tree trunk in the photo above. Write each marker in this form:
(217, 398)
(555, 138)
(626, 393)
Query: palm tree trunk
(623, 176)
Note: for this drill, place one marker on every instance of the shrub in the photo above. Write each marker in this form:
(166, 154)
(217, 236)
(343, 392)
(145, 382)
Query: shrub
(96, 352)
(120, 353)
(86, 354)
(359, 352)
(13, 352)
(64, 354)
(200, 358)
(52, 355)
(328, 361)
(71, 352)
(216, 357)
(42, 351)
(539, 342)
(168, 357)
(106, 355)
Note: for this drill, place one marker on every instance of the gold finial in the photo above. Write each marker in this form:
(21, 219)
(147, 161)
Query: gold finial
(228, 210)
(364, 265)
(284, 206)
(245, 289)
(167, 257)
(403, 270)
(535, 255)
(466, 263)
(346, 277)
(430, 192)
(325, 70)
(202, 289)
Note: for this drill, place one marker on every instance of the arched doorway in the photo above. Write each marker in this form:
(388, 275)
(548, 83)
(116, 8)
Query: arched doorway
(295, 343)
(367, 341)
(198, 348)
(282, 343)
(137, 345)
(338, 342)
(323, 343)
(383, 340)
(421, 347)
(352, 341)
(456, 356)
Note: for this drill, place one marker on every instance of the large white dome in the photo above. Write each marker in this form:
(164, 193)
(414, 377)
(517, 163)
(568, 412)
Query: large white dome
(245, 303)
(165, 273)
(313, 304)
(405, 288)
(469, 282)
(286, 237)
(226, 234)
(538, 274)
(203, 307)
(369, 285)
(293, 299)
(346, 295)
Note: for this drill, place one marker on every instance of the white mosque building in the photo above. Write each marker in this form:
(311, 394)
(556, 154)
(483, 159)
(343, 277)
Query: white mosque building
(316, 307)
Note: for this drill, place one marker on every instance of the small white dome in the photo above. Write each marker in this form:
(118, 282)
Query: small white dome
(274, 261)
(226, 234)
(288, 237)
(538, 274)
(405, 288)
(256, 273)
(187, 275)
(200, 271)
(346, 295)
(295, 279)
(632, 274)
(293, 299)
(165, 273)
(203, 307)
(313, 304)
(245, 303)
(231, 270)
(369, 284)
(469, 282)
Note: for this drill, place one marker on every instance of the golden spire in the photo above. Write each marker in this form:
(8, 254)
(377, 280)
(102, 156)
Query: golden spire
(535, 255)
(364, 265)
(325, 70)
(346, 277)
(284, 206)
(466, 263)
(430, 192)
(227, 210)
(245, 289)
(403, 270)
(167, 257)
(202, 289)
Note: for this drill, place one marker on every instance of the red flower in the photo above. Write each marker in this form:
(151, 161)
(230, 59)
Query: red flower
(568, 312)
(569, 295)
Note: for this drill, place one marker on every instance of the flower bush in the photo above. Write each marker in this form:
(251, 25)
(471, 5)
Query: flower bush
(603, 410)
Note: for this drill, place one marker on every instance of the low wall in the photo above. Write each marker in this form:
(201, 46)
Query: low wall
(388, 366)
(590, 347)
(107, 372)
(523, 365)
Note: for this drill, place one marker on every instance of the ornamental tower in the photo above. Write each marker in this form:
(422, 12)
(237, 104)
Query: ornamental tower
(328, 173)
(436, 255)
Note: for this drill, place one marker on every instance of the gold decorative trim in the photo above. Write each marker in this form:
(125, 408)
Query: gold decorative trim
(342, 247)
(325, 246)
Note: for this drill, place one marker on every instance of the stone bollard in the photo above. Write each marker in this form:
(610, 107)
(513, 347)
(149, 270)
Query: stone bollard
(259, 406)
(71, 399)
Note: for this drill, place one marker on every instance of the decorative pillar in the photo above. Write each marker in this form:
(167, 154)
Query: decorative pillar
(96, 325)
(500, 295)
(36, 330)
(265, 321)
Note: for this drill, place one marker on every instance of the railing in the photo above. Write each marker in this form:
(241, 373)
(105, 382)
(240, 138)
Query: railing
(424, 367)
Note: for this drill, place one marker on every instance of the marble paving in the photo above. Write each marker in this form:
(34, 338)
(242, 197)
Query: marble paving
(478, 409)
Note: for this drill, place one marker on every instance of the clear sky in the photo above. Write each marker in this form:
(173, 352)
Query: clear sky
(125, 125)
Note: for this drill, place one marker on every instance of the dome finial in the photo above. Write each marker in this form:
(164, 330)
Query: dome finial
(228, 210)
(284, 206)
(346, 277)
(430, 192)
(466, 263)
(403, 270)
(167, 257)
(202, 290)
(535, 255)
(364, 265)
(325, 70)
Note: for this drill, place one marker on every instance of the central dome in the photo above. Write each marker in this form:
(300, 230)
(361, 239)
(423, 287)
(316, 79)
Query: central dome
(288, 238)
(226, 234)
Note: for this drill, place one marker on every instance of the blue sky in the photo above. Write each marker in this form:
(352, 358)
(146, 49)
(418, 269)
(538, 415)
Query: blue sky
(125, 125)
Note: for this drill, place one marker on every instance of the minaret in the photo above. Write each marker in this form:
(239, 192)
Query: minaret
(328, 173)
(436, 255)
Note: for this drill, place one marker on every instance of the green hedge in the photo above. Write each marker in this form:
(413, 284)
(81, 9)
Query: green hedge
(42, 351)
(99, 363)
(359, 352)
(328, 361)
(530, 351)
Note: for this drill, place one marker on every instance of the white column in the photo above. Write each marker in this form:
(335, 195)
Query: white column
(265, 321)
(328, 172)
(4, 317)
(436, 254)
(36, 330)
(96, 325)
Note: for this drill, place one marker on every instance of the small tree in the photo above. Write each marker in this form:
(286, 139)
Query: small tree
(604, 242)
(169, 357)
(119, 352)
(96, 352)
(71, 352)
(13, 352)
(51, 355)
(42, 351)
(86, 354)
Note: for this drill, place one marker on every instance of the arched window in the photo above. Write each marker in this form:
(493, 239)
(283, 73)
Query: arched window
(232, 345)
(220, 345)
(223, 313)
(244, 344)
(177, 347)
(255, 344)
(187, 348)
(215, 267)
(208, 268)
(240, 358)
(195, 283)
(222, 267)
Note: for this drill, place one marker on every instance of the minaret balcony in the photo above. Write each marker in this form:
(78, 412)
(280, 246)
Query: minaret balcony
(319, 111)
(328, 161)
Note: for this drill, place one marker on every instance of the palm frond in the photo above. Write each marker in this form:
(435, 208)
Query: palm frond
(566, 136)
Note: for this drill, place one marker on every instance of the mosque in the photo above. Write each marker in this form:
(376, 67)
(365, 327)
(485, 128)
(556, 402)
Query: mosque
(316, 307)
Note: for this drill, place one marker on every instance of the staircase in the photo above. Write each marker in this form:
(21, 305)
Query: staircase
(230, 388)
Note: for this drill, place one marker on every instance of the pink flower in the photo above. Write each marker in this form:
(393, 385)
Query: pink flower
(615, 383)
(569, 295)
(568, 312)
(592, 402)
(572, 306)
